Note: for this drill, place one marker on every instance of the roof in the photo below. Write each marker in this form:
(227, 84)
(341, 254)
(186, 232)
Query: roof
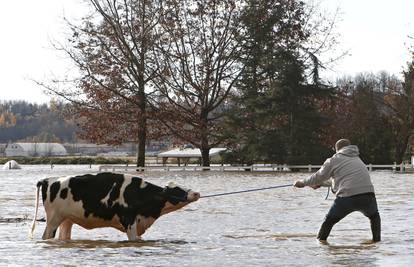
(189, 152)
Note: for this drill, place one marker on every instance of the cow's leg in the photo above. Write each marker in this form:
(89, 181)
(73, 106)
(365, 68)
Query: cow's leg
(65, 230)
(52, 224)
(132, 232)
(143, 223)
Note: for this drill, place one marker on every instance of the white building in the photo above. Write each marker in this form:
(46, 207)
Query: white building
(2, 148)
(35, 150)
(187, 153)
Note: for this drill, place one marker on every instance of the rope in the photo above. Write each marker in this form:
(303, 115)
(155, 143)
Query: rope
(245, 191)
(19, 219)
(327, 194)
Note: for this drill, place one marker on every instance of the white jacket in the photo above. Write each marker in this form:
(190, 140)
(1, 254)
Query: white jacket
(349, 174)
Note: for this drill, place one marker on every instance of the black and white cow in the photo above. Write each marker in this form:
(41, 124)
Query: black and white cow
(126, 203)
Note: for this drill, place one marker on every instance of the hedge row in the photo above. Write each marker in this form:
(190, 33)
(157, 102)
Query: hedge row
(66, 160)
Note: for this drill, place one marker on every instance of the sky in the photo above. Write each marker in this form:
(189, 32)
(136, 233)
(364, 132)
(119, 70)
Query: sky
(27, 30)
(374, 32)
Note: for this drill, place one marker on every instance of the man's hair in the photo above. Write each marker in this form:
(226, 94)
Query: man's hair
(342, 143)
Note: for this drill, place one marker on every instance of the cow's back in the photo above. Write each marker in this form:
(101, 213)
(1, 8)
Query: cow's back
(97, 193)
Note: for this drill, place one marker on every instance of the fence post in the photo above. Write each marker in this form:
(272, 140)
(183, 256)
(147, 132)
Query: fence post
(401, 167)
(310, 168)
(370, 167)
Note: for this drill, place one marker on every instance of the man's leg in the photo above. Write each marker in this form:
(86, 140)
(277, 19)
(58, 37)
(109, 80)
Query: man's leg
(337, 212)
(368, 207)
(375, 227)
(326, 227)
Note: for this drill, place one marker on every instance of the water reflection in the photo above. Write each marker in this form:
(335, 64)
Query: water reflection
(279, 236)
(297, 236)
(349, 249)
(92, 244)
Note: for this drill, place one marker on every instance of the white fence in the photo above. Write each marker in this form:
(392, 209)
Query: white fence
(256, 167)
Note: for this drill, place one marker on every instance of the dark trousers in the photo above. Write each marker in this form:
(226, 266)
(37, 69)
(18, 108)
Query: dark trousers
(365, 203)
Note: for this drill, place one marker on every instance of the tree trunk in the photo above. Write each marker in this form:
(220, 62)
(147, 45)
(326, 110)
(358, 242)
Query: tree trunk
(205, 148)
(205, 151)
(141, 147)
(205, 156)
(142, 100)
(142, 126)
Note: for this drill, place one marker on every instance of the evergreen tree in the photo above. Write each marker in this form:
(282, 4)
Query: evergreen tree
(276, 110)
(296, 101)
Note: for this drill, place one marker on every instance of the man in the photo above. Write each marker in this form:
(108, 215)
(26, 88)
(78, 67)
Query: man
(352, 185)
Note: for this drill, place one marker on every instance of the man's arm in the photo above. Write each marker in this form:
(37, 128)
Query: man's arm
(327, 183)
(319, 178)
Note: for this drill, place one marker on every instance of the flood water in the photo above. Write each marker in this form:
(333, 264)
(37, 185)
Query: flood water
(266, 228)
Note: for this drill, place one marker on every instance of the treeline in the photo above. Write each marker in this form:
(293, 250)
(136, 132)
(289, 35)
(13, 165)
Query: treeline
(242, 74)
(377, 113)
(28, 122)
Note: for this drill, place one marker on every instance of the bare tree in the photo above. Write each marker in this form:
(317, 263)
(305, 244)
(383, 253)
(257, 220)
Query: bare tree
(399, 98)
(111, 50)
(198, 62)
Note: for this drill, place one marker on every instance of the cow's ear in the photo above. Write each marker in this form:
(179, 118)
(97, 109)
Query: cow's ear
(171, 184)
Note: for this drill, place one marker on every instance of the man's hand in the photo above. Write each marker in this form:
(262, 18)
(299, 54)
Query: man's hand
(299, 184)
(315, 186)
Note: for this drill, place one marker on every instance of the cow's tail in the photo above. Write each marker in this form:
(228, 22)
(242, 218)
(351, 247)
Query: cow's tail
(32, 228)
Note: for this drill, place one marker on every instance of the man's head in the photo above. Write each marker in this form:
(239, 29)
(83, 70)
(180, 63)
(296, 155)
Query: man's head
(341, 143)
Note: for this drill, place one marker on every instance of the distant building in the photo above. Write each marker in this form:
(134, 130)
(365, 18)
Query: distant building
(86, 149)
(2, 149)
(127, 149)
(187, 152)
(34, 150)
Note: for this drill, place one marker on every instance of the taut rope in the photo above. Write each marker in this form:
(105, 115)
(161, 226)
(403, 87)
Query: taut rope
(245, 191)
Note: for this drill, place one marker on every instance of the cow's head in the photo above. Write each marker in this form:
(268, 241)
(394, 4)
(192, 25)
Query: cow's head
(176, 194)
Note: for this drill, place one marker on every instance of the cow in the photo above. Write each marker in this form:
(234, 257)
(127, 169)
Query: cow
(124, 202)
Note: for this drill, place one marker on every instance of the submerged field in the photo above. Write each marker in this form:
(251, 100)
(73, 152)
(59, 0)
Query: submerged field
(266, 228)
